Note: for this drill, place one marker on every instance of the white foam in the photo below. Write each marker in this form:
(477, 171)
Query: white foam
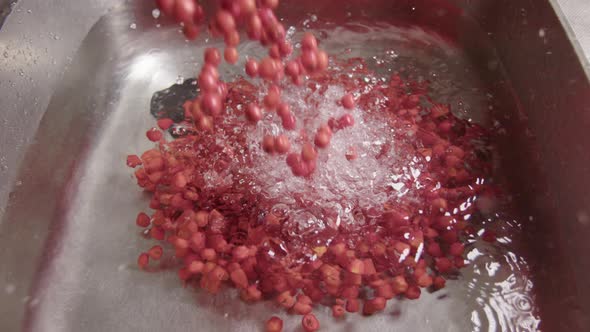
(339, 188)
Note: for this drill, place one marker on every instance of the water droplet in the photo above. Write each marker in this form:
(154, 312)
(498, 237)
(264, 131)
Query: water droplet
(290, 32)
(156, 13)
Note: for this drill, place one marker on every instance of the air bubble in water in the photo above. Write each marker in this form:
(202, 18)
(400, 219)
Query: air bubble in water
(290, 32)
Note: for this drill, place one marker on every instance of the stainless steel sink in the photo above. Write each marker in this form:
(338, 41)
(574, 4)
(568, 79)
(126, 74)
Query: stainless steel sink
(77, 79)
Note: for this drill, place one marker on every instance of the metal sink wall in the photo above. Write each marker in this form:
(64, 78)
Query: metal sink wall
(65, 81)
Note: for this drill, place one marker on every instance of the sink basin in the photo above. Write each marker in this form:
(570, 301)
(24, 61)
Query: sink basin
(76, 102)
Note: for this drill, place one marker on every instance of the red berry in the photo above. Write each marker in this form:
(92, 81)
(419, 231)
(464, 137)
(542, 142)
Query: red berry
(322, 60)
(231, 55)
(374, 305)
(274, 52)
(199, 14)
(142, 220)
(399, 284)
(443, 265)
(184, 11)
(239, 278)
(143, 260)
(154, 135)
(289, 122)
(351, 153)
(286, 300)
(322, 139)
(346, 121)
(231, 38)
(338, 311)
(225, 21)
(240, 253)
(352, 305)
(133, 161)
(285, 48)
(270, 3)
(253, 113)
(292, 68)
(156, 252)
(211, 103)
(456, 249)
(195, 267)
(308, 153)
(309, 59)
(268, 144)
(205, 123)
(348, 101)
(413, 293)
(212, 56)
(207, 81)
(283, 110)
(424, 280)
(252, 68)
(211, 69)
(309, 42)
(274, 324)
(282, 144)
(267, 68)
(310, 323)
(254, 27)
(273, 97)
(293, 159)
(433, 249)
(166, 6)
(222, 90)
(165, 123)
(190, 31)
(439, 282)
(247, 7)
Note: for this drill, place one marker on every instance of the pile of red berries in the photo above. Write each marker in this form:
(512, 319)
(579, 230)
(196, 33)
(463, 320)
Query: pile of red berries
(231, 235)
